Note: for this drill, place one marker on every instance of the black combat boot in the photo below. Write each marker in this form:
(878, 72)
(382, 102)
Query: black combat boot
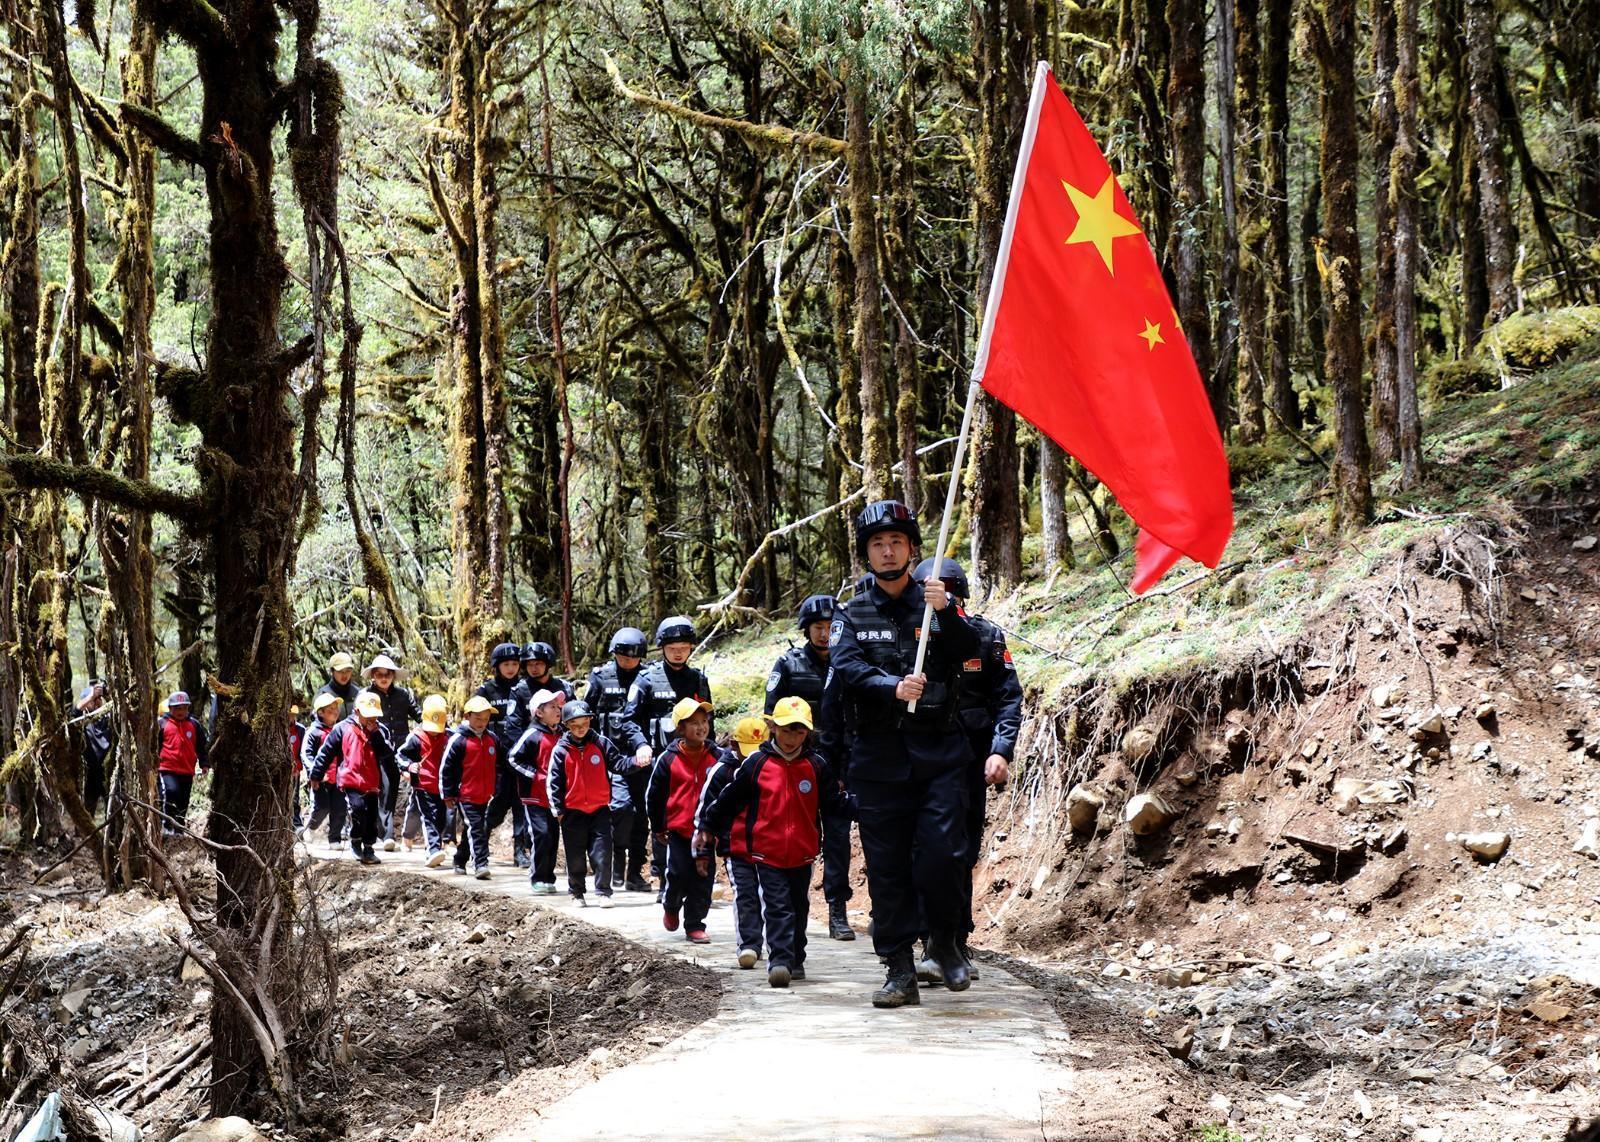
(838, 924)
(900, 987)
(928, 969)
(952, 964)
(966, 954)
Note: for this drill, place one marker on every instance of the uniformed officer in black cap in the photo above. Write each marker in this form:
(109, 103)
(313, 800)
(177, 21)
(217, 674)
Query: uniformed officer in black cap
(539, 670)
(907, 769)
(606, 694)
(507, 691)
(991, 716)
(799, 673)
(645, 724)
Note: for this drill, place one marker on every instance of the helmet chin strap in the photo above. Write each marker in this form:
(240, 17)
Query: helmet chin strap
(891, 576)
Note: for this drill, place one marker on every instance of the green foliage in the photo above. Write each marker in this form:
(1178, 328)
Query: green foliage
(1216, 1132)
(1533, 339)
(1466, 377)
(1248, 462)
(876, 36)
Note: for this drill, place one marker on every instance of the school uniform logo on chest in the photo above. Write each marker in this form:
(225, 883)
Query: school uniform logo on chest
(594, 759)
(805, 786)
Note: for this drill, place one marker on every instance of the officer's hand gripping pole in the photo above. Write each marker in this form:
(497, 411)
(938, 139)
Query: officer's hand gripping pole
(944, 528)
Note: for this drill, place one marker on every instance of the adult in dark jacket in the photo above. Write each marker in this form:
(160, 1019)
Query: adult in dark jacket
(354, 755)
(799, 673)
(644, 727)
(507, 693)
(990, 707)
(907, 769)
(606, 693)
(538, 670)
(341, 681)
(97, 741)
(400, 712)
(580, 799)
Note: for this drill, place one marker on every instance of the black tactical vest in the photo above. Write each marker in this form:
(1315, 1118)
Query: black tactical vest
(892, 648)
(803, 679)
(612, 697)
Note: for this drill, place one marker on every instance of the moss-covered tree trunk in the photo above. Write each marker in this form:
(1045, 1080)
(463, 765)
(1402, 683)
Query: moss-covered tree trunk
(1482, 24)
(1385, 397)
(1250, 297)
(1333, 29)
(1279, 270)
(1403, 194)
(1186, 237)
(861, 157)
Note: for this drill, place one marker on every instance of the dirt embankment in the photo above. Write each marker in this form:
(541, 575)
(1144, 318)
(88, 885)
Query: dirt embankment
(1362, 899)
(455, 1013)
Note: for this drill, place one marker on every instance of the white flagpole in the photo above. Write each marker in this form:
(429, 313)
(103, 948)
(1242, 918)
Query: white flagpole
(980, 360)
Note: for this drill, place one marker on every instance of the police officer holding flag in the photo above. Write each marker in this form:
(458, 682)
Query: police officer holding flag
(908, 769)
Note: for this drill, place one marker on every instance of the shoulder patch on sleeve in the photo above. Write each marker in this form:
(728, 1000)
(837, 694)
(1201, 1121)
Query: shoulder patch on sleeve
(1006, 656)
(835, 631)
(774, 678)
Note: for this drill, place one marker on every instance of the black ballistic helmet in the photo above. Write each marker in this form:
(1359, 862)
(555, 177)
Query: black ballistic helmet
(676, 628)
(816, 609)
(539, 652)
(628, 640)
(576, 708)
(885, 515)
(955, 579)
(505, 652)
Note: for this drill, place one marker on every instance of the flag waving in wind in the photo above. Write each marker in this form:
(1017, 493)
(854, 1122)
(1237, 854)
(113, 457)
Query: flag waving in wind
(1081, 339)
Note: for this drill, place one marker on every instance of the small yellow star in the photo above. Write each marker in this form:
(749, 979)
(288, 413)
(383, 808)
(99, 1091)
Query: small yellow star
(1152, 333)
(1098, 220)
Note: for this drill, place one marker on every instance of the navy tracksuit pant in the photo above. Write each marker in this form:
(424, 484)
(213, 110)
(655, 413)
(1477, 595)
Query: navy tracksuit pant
(435, 818)
(363, 812)
(175, 790)
(913, 837)
(687, 891)
(587, 835)
(543, 834)
(475, 824)
(327, 804)
(785, 908)
(746, 903)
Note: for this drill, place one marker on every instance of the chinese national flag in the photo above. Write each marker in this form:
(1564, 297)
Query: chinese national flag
(1081, 339)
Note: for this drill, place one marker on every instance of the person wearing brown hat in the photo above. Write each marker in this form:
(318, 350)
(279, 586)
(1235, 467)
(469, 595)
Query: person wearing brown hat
(341, 681)
(400, 710)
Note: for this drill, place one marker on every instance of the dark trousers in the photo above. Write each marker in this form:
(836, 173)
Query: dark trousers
(632, 836)
(475, 823)
(432, 816)
(587, 834)
(687, 891)
(621, 842)
(542, 832)
(746, 903)
(175, 789)
(836, 858)
(913, 837)
(297, 797)
(977, 807)
(411, 820)
(327, 804)
(507, 802)
(363, 811)
(388, 792)
(785, 908)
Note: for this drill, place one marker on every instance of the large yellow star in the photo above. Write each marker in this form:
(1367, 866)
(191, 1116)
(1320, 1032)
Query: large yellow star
(1098, 220)
(1152, 333)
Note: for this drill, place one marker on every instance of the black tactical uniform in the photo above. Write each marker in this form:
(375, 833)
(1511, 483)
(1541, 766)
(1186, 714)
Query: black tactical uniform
(908, 772)
(646, 718)
(510, 698)
(545, 653)
(800, 673)
(607, 694)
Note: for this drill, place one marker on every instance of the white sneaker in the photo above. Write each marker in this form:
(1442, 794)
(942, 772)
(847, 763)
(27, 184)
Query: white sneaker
(436, 859)
(306, 835)
(482, 874)
(582, 902)
(605, 902)
(335, 846)
(748, 957)
(389, 845)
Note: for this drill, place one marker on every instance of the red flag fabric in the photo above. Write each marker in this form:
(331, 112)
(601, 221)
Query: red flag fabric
(1082, 340)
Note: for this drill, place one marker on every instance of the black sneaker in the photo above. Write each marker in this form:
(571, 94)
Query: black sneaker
(637, 885)
(797, 972)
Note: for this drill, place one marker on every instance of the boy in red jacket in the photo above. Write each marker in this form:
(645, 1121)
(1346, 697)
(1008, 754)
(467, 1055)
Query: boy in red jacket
(356, 751)
(530, 757)
(421, 757)
(673, 797)
(580, 799)
(327, 804)
(180, 749)
(779, 789)
(467, 779)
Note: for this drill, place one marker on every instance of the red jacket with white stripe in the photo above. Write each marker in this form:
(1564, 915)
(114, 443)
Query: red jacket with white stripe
(676, 782)
(424, 749)
(780, 799)
(467, 772)
(580, 773)
(180, 745)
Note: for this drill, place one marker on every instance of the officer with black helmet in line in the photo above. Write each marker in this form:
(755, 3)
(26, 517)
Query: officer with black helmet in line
(606, 694)
(800, 673)
(644, 725)
(908, 770)
(538, 670)
(506, 690)
(990, 707)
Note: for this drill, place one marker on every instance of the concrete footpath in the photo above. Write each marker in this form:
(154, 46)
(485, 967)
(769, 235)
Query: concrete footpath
(814, 1061)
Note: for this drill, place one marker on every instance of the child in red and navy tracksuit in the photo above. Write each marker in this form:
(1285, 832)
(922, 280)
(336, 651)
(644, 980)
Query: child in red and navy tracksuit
(530, 758)
(747, 737)
(780, 789)
(327, 803)
(421, 756)
(467, 778)
(580, 799)
(673, 796)
(357, 751)
(180, 750)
